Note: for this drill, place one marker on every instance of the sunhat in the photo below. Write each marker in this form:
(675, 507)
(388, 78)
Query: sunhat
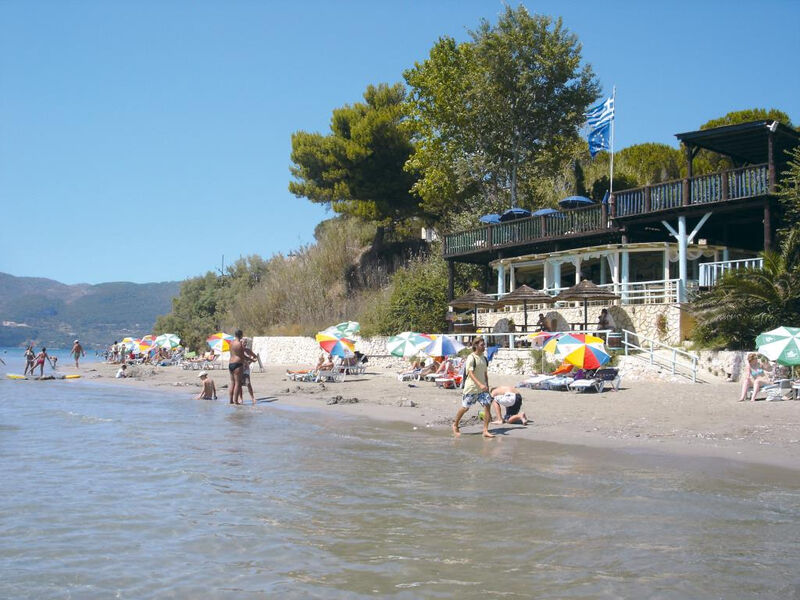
(202, 373)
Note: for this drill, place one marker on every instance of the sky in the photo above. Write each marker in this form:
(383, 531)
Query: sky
(150, 140)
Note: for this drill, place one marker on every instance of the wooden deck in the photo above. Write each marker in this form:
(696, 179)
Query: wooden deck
(695, 194)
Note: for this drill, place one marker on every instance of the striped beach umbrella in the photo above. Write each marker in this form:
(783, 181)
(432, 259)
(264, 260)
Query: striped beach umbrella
(781, 345)
(130, 344)
(336, 346)
(587, 356)
(168, 341)
(220, 342)
(564, 343)
(444, 346)
(345, 329)
(407, 344)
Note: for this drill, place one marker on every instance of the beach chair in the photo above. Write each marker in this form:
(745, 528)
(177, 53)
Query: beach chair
(775, 391)
(334, 375)
(409, 375)
(535, 382)
(597, 381)
(557, 383)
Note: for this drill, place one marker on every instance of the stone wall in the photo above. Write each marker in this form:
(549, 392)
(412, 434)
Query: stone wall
(303, 352)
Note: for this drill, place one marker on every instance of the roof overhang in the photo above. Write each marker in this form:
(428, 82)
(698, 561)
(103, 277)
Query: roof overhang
(745, 142)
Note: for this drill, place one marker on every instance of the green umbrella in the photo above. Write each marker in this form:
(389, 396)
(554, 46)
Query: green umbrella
(781, 345)
(407, 344)
(346, 329)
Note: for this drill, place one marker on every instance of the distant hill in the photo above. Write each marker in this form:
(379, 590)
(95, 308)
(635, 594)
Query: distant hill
(47, 312)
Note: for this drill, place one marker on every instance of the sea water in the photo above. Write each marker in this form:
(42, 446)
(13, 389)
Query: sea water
(117, 493)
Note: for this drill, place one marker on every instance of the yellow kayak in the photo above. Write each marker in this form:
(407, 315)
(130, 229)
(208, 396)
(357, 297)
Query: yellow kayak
(45, 378)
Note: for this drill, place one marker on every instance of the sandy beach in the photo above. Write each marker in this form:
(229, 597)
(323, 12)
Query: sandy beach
(680, 419)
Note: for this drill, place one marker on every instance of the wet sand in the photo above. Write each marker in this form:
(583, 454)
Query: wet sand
(680, 419)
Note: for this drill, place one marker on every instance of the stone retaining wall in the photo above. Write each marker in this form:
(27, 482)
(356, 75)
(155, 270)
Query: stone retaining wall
(303, 352)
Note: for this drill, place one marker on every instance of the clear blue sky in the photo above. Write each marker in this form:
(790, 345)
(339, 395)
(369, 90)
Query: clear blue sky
(142, 141)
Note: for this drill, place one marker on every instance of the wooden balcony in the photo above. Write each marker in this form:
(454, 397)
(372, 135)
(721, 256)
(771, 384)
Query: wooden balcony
(695, 194)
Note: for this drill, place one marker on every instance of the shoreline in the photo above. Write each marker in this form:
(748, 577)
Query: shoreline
(689, 420)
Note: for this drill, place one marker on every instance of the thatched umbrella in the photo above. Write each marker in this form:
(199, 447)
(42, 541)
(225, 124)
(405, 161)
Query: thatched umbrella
(586, 290)
(472, 299)
(526, 294)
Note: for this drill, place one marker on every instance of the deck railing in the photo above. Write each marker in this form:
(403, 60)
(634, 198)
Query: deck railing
(734, 184)
(710, 272)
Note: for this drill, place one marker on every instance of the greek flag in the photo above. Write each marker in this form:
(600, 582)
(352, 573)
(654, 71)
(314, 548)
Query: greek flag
(599, 119)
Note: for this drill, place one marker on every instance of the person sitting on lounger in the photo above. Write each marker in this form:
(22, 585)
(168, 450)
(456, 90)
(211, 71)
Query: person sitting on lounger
(432, 365)
(755, 375)
(510, 398)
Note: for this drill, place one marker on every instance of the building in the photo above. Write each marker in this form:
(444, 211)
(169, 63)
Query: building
(651, 245)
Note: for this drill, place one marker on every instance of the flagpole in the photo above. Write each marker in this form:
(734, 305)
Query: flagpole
(611, 174)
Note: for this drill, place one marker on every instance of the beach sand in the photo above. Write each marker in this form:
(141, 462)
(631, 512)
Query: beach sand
(684, 419)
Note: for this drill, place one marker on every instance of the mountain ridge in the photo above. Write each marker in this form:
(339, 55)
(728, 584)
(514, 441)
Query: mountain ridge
(47, 312)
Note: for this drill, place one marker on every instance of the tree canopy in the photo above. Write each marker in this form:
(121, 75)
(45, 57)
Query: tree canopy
(491, 115)
(357, 169)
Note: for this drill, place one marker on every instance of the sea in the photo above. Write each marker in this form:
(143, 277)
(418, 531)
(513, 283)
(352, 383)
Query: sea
(113, 492)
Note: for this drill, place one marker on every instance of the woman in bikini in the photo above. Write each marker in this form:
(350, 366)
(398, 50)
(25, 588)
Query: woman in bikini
(755, 376)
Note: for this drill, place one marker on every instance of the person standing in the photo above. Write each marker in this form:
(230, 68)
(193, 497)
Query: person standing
(30, 355)
(77, 352)
(239, 356)
(476, 387)
(39, 361)
(248, 360)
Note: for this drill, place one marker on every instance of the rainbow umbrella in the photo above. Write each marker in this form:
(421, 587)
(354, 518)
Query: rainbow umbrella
(336, 346)
(220, 342)
(407, 344)
(443, 346)
(564, 343)
(131, 344)
(146, 344)
(587, 356)
(168, 341)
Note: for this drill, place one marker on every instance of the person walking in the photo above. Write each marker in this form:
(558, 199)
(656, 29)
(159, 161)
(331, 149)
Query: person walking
(77, 352)
(476, 387)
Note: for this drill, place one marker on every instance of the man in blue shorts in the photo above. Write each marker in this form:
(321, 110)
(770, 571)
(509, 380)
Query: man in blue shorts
(476, 387)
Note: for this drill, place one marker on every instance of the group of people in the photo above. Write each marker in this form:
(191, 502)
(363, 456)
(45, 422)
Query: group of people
(118, 353)
(34, 360)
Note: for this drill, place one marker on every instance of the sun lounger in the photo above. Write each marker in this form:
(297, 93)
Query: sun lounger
(598, 381)
(334, 375)
(558, 382)
(409, 375)
(535, 382)
(775, 391)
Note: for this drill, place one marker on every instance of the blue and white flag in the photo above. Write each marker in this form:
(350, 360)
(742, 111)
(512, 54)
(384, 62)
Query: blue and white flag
(599, 119)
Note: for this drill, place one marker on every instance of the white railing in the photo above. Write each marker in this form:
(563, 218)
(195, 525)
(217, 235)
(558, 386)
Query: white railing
(657, 291)
(712, 271)
(657, 352)
(514, 339)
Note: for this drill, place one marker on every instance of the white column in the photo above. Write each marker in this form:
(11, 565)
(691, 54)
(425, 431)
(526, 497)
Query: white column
(501, 279)
(546, 278)
(726, 254)
(603, 274)
(617, 272)
(557, 274)
(682, 270)
(512, 278)
(666, 264)
(625, 266)
(577, 262)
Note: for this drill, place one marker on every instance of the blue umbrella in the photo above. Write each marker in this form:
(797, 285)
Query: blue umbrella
(547, 211)
(490, 218)
(514, 213)
(575, 202)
